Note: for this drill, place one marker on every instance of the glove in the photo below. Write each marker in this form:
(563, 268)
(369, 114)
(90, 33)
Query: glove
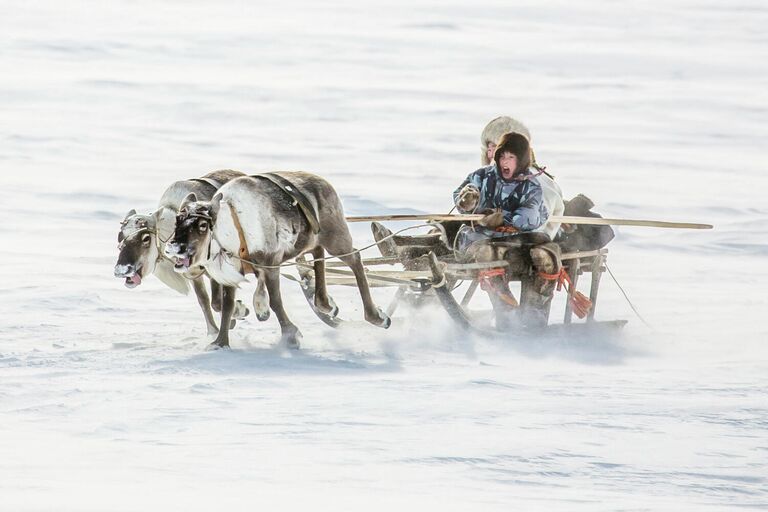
(468, 199)
(492, 220)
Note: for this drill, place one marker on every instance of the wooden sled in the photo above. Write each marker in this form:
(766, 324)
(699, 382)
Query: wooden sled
(429, 278)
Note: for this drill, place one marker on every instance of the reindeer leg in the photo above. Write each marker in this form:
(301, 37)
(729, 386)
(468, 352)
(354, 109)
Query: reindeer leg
(338, 241)
(290, 333)
(241, 310)
(373, 313)
(205, 304)
(260, 298)
(322, 301)
(228, 305)
(215, 296)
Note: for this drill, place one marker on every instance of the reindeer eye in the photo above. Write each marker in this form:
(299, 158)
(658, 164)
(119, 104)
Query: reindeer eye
(203, 226)
(145, 239)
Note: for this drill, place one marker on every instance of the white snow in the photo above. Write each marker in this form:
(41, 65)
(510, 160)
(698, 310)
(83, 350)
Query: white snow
(108, 400)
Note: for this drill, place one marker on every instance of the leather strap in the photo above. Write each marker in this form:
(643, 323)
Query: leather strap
(298, 197)
(209, 181)
(242, 252)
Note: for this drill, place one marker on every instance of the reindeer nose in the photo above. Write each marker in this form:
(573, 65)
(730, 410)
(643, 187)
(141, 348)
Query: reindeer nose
(124, 270)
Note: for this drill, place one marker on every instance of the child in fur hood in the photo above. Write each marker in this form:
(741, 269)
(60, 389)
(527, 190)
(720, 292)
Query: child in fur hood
(507, 185)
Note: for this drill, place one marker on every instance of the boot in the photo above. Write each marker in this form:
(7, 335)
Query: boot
(504, 304)
(537, 292)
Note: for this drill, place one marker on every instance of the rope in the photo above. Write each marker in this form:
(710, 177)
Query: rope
(626, 297)
(294, 263)
(580, 303)
(485, 278)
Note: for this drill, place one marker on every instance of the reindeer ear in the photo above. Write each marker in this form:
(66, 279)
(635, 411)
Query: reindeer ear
(215, 205)
(129, 214)
(191, 198)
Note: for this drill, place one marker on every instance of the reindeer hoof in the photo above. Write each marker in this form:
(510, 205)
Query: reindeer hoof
(381, 319)
(240, 311)
(334, 308)
(331, 311)
(260, 306)
(292, 341)
(217, 346)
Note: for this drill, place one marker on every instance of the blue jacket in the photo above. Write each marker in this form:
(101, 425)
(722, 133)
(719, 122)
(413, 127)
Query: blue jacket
(521, 201)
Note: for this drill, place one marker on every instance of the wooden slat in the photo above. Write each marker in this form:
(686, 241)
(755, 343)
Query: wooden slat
(371, 275)
(573, 274)
(582, 254)
(352, 282)
(476, 266)
(366, 262)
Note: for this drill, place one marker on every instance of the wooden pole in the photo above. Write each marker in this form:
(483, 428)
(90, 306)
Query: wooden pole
(562, 219)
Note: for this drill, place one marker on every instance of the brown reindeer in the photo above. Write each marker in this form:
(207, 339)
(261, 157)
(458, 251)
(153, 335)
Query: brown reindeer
(254, 224)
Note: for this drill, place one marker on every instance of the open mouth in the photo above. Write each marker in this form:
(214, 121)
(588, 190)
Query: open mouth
(182, 263)
(133, 281)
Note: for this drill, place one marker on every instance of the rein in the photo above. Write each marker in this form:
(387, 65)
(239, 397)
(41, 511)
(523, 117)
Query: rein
(229, 254)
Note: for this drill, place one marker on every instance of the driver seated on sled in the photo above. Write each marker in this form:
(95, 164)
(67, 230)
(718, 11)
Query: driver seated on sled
(511, 196)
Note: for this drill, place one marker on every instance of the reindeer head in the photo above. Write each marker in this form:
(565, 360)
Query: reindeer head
(191, 239)
(137, 242)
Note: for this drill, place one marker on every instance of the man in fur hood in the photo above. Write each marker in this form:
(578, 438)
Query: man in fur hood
(494, 130)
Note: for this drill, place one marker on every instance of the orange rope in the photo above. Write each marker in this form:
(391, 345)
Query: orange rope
(579, 302)
(486, 284)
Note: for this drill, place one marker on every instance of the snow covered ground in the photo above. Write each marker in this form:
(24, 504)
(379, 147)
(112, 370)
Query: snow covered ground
(108, 400)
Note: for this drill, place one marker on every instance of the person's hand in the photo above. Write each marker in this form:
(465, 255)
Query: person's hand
(493, 219)
(469, 197)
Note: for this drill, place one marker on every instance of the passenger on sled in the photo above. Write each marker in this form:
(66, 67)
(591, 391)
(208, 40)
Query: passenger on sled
(514, 229)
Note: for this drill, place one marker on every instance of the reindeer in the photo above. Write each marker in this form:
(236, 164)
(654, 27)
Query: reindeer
(256, 223)
(142, 237)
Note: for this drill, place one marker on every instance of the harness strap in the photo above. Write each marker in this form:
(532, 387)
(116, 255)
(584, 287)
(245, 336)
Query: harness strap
(242, 252)
(299, 199)
(209, 181)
